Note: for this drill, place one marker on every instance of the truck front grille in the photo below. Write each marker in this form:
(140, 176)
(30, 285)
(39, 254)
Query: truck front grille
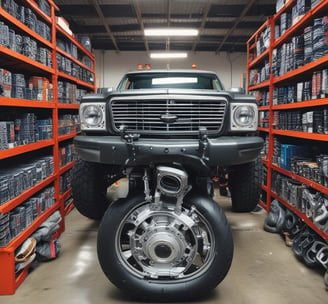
(169, 114)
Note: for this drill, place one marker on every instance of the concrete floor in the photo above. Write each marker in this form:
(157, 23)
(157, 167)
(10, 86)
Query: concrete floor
(263, 271)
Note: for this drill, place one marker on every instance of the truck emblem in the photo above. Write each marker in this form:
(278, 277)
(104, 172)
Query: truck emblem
(169, 118)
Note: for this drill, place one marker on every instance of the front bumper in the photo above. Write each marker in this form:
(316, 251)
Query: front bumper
(222, 151)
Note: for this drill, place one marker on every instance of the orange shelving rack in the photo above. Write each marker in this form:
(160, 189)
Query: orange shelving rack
(56, 108)
(256, 60)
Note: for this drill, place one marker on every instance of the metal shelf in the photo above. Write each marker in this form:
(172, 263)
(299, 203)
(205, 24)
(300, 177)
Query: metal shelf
(16, 62)
(290, 78)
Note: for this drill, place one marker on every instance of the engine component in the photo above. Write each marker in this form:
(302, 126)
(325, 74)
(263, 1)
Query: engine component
(275, 219)
(310, 253)
(322, 256)
(293, 224)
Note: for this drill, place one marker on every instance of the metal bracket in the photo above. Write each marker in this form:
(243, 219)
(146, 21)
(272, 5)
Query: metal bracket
(203, 142)
(145, 178)
(130, 138)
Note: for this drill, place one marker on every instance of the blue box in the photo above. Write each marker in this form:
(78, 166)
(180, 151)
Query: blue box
(288, 151)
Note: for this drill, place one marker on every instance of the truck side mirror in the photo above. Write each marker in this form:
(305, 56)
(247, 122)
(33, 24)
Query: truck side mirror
(104, 90)
(238, 90)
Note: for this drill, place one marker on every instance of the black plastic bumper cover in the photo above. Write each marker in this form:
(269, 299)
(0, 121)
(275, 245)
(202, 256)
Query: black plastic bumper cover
(223, 151)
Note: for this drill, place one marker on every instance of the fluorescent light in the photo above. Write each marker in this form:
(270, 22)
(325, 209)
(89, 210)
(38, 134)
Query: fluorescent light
(174, 80)
(168, 55)
(170, 32)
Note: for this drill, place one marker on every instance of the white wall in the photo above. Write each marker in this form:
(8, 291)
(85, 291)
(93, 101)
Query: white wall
(110, 66)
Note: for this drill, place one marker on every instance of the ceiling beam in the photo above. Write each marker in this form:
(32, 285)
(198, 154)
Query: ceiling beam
(202, 26)
(230, 31)
(102, 17)
(140, 21)
(169, 8)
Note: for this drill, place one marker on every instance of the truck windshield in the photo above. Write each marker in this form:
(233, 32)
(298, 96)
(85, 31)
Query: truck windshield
(201, 81)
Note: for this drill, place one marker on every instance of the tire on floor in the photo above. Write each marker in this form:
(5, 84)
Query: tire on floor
(245, 185)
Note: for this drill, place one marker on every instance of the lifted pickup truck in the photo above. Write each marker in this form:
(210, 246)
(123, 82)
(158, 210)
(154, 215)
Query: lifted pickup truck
(168, 132)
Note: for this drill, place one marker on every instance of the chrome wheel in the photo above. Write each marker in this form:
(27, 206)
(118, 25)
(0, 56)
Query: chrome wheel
(155, 252)
(162, 244)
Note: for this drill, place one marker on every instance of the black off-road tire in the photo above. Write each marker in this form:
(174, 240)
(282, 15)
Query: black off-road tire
(89, 189)
(122, 272)
(245, 185)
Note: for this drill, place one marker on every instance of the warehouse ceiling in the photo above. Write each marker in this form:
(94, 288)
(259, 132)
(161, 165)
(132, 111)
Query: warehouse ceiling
(224, 25)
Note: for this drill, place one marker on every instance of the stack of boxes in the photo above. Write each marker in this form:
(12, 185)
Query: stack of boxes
(71, 68)
(5, 83)
(15, 180)
(27, 16)
(313, 121)
(303, 49)
(68, 123)
(66, 154)
(301, 161)
(40, 88)
(31, 88)
(21, 217)
(24, 129)
(65, 181)
(69, 92)
(7, 135)
(24, 45)
(264, 41)
(315, 88)
(44, 6)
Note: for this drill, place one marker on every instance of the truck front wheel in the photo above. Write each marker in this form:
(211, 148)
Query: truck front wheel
(245, 185)
(89, 188)
(160, 254)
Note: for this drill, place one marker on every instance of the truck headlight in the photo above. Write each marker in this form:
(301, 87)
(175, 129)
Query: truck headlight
(93, 116)
(244, 117)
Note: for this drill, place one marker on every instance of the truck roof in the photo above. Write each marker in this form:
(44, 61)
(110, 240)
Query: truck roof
(193, 71)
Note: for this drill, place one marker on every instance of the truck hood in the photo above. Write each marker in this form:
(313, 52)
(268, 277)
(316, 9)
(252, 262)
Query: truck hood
(212, 93)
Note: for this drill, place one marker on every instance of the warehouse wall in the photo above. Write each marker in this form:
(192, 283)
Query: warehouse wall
(110, 66)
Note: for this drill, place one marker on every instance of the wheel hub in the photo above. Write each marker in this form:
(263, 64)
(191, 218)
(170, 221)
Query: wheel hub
(164, 245)
(163, 251)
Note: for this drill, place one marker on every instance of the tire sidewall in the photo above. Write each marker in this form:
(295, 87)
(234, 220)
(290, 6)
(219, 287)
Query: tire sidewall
(89, 189)
(245, 185)
(167, 290)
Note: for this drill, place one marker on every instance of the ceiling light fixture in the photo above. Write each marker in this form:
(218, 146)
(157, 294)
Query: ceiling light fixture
(170, 32)
(168, 55)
